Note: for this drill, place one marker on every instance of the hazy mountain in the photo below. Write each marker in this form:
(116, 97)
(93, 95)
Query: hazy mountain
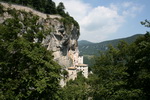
(89, 48)
(85, 42)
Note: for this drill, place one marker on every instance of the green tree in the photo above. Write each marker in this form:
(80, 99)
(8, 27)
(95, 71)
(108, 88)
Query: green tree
(27, 69)
(1, 9)
(50, 7)
(110, 76)
(138, 67)
(61, 8)
(77, 89)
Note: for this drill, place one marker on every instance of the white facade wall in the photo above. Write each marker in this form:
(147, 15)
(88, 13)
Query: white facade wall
(83, 68)
(72, 73)
(80, 60)
(85, 72)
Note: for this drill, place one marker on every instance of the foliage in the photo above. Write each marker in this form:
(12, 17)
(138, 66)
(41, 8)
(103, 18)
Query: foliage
(1, 9)
(146, 23)
(123, 73)
(139, 70)
(27, 69)
(111, 75)
(61, 8)
(76, 90)
(65, 73)
(48, 7)
(88, 59)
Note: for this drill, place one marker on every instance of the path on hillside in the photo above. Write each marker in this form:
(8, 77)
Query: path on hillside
(28, 9)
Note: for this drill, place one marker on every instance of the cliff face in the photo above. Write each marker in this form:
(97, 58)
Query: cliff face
(62, 41)
(60, 38)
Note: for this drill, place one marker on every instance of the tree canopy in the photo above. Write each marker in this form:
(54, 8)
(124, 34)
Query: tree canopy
(123, 73)
(48, 7)
(27, 69)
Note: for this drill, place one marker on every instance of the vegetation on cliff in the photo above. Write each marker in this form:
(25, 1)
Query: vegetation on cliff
(27, 69)
(48, 7)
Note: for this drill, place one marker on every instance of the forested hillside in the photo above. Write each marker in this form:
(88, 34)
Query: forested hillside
(89, 48)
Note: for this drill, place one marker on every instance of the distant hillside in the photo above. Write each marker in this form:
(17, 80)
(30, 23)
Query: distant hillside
(85, 42)
(89, 48)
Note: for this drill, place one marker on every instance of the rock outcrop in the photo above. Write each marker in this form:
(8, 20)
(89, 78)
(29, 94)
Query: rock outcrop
(60, 38)
(61, 42)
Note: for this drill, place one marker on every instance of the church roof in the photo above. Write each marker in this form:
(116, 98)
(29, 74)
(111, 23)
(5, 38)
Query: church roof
(71, 68)
(84, 65)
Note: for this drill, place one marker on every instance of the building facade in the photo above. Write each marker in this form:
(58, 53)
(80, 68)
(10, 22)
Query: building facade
(72, 73)
(78, 66)
(82, 68)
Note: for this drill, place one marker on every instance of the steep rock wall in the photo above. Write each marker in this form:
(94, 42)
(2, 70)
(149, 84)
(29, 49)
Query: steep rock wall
(61, 42)
(60, 38)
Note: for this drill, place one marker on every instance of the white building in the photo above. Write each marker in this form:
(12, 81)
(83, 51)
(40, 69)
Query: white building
(83, 68)
(78, 66)
(80, 60)
(72, 73)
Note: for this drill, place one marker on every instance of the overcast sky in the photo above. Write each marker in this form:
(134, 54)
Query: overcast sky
(102, 20)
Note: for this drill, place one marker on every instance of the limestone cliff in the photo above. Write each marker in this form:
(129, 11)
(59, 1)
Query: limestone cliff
(59, 37)
(61, 42)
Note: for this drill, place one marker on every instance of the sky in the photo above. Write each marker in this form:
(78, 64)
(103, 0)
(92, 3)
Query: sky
(102, 20)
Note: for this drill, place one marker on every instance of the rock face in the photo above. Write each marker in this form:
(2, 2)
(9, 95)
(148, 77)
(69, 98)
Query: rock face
(61, 42)
(60, 38)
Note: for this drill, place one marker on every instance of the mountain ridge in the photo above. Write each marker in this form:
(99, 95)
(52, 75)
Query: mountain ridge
(90, 48)
(85, 42)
